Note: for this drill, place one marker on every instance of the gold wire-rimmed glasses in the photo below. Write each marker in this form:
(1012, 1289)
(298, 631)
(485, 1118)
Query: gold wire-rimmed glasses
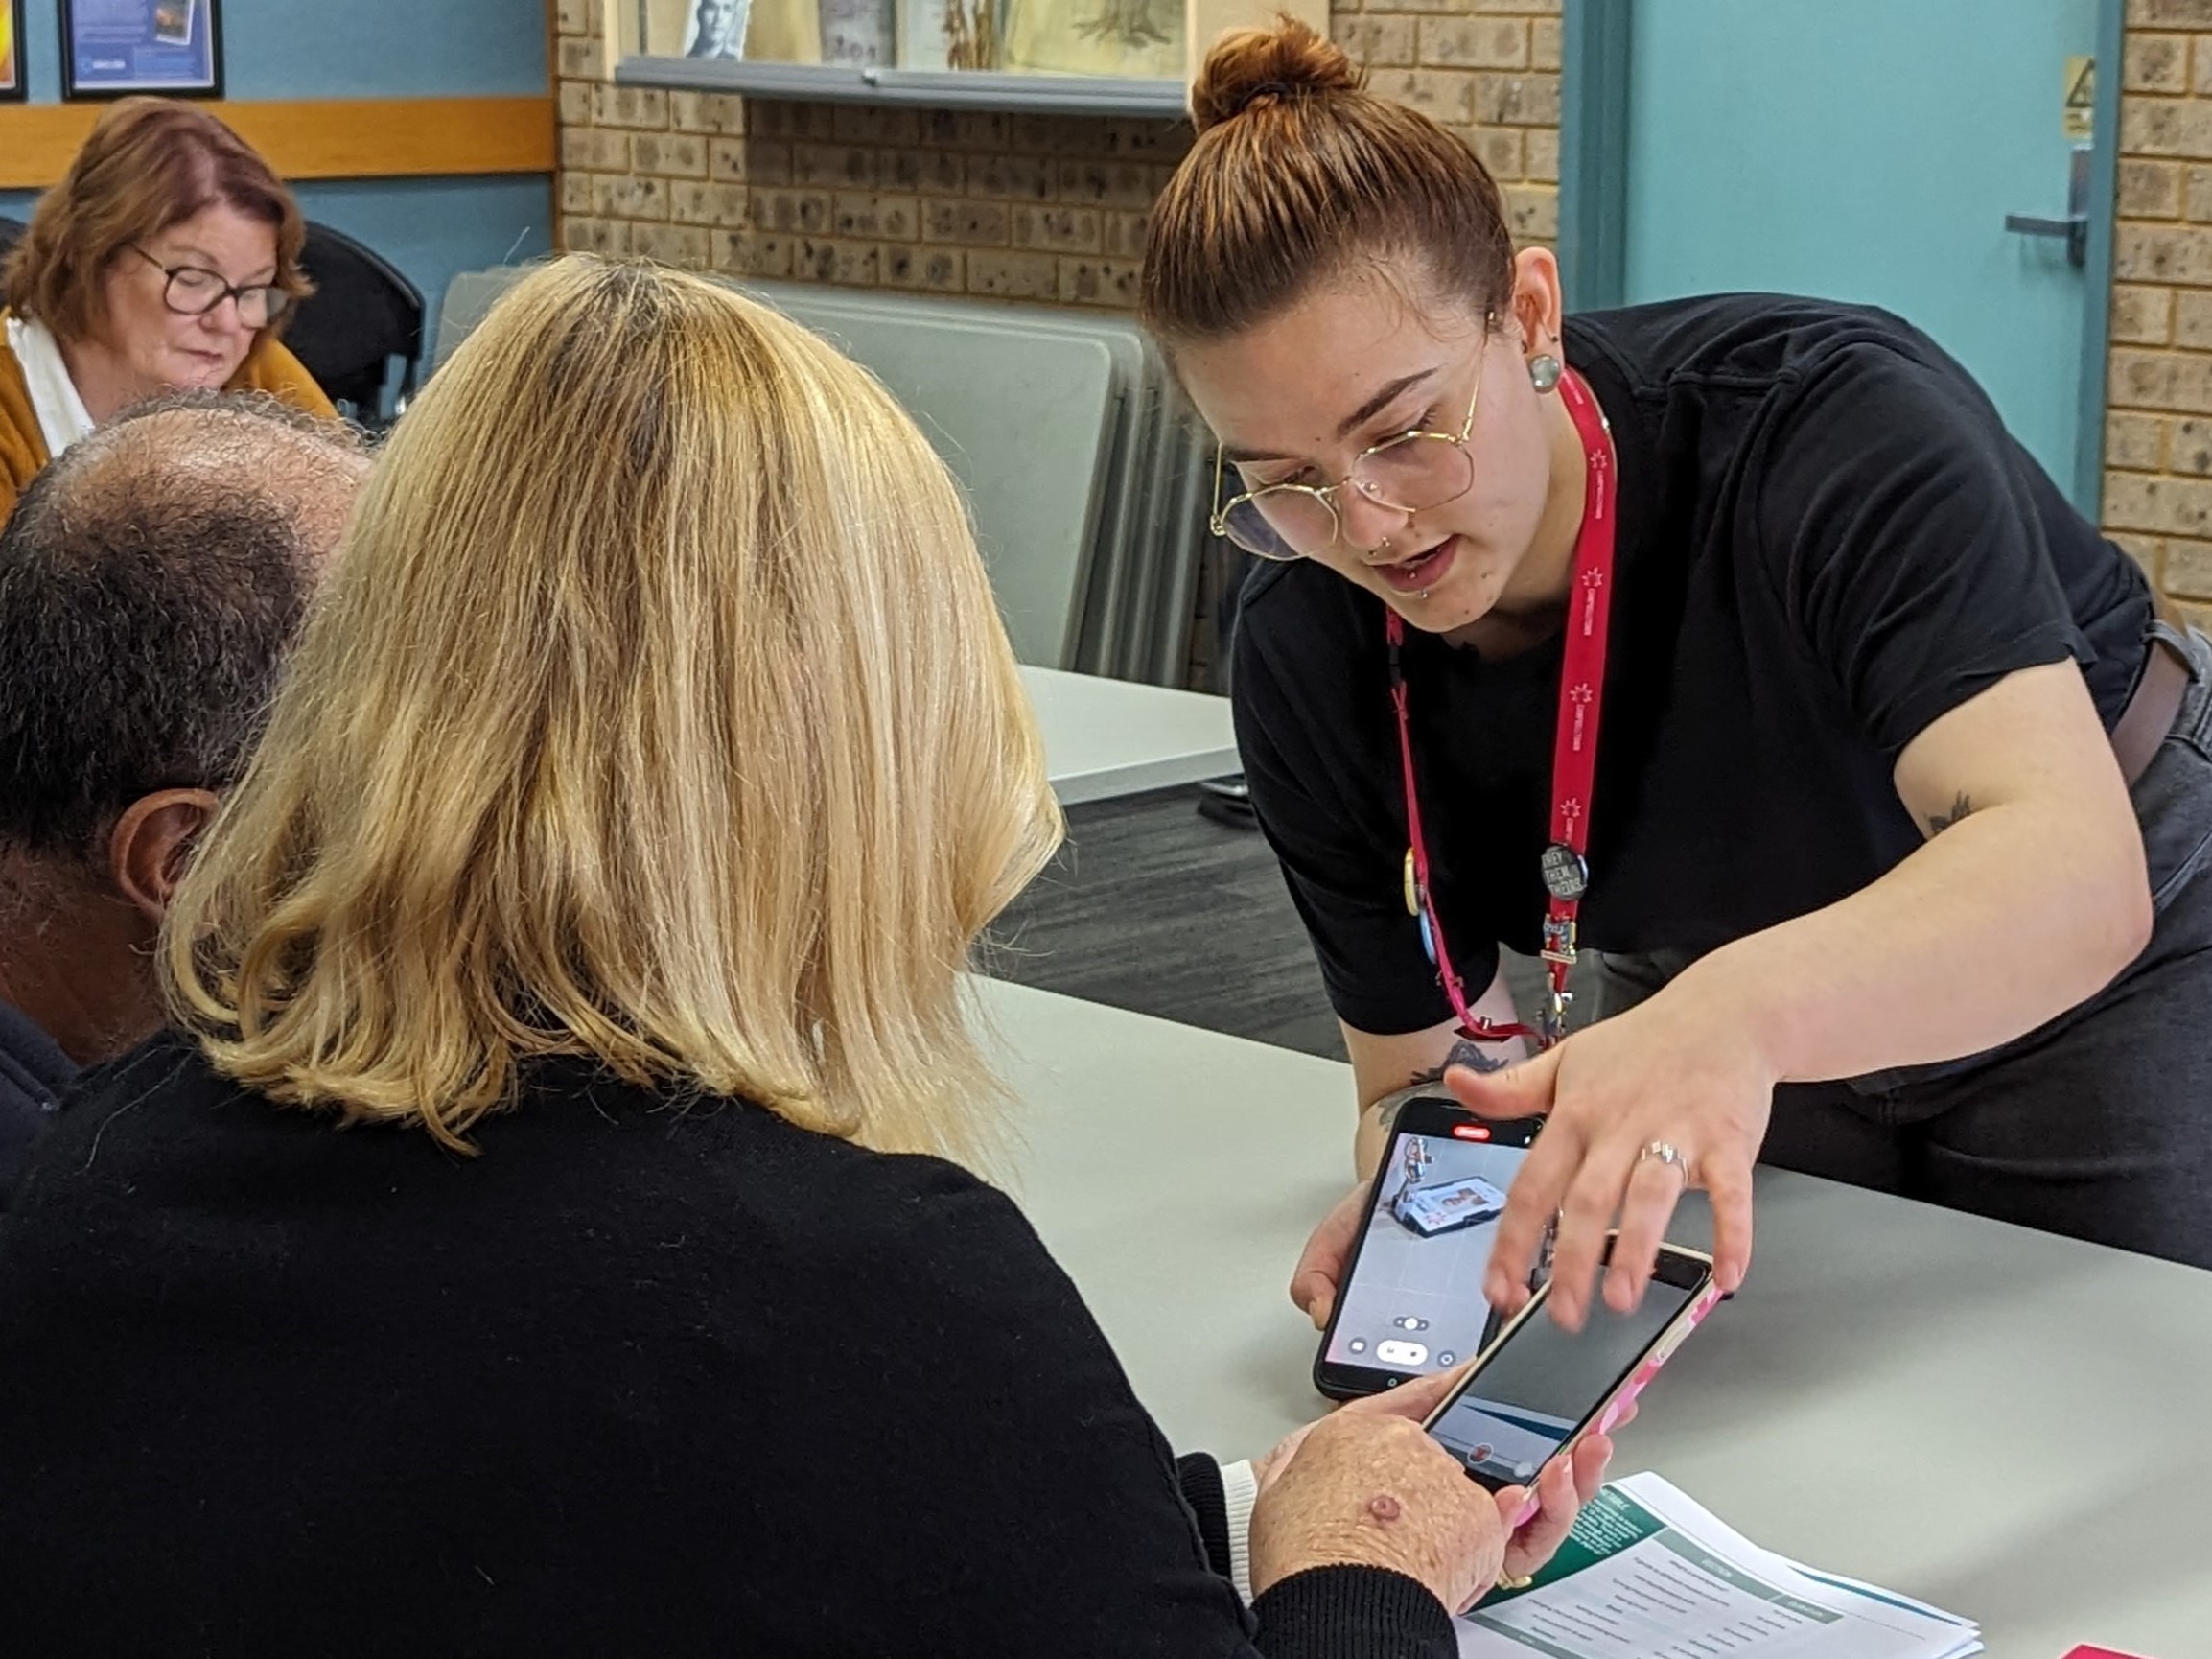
(1407, 474)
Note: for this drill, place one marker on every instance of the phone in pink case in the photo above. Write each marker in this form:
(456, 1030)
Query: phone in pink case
(1538, 1389)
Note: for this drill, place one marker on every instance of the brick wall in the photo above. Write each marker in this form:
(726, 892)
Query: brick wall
(1489, 70)
(1025, 207)
(1013, 206)
(2158, 433)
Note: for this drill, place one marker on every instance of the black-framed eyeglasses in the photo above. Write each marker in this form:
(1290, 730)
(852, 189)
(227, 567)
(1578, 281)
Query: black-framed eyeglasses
(195, 290)
(1409, 474)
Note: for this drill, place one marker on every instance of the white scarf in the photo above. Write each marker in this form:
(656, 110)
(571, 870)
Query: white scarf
(61, 415)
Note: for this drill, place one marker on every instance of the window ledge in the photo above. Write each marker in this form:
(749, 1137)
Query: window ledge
(932, 88)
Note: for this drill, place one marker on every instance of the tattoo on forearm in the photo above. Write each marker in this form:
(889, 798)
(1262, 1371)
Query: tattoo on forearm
(1472, 1054)
(1473, 1057)
(1960, 805)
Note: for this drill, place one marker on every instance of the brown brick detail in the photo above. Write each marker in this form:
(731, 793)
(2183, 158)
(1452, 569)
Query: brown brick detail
(2158, 427)
(1053, 208)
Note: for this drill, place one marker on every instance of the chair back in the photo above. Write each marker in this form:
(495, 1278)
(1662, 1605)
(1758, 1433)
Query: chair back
(362, 314)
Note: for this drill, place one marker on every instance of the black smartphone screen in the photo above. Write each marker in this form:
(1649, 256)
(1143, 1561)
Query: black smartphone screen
(1542, 1383)
(1412, 1301)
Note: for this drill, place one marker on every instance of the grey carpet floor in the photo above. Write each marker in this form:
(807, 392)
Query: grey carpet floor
(1153, 908)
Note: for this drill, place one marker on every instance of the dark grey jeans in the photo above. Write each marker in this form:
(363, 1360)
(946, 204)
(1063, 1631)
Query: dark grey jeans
(2099, 1124)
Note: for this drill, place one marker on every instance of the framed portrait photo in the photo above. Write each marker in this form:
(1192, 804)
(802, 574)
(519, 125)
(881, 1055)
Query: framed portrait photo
(716, 29)
(14, 73)
(113, 48)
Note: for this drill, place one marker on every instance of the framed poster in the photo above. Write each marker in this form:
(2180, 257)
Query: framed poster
(111, 48)
(14, 74)
(715, 29)
(1136, 37)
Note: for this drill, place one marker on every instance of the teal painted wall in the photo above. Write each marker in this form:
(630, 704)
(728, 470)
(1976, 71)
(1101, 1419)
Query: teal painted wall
(1870, 152)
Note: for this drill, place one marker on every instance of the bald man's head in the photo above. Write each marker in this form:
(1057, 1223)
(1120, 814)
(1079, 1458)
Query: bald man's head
(296, 465)
(152, 579)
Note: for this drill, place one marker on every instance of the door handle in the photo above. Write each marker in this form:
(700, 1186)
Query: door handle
(2075, 226)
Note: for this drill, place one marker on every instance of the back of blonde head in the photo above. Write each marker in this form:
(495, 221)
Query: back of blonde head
(657, 710)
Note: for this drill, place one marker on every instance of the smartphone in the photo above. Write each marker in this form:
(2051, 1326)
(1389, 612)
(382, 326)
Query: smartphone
(1412, 1300)
(1540, 1389)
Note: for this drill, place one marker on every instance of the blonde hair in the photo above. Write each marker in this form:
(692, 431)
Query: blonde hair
(658, 711)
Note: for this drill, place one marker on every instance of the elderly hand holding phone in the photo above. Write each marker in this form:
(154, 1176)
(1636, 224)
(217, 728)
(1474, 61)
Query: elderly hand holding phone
(1398, 1498)
(1406, 1307)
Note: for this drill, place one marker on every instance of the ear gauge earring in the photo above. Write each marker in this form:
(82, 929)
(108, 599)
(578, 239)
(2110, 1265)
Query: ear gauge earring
(1544, 371)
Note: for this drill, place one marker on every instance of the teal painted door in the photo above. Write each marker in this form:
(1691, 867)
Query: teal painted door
(1871, 150)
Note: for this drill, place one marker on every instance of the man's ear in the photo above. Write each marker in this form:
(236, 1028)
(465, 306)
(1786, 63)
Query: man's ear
(151, 842)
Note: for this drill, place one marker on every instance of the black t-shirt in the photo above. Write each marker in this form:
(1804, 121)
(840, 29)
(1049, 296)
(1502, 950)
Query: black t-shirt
(1827, 541)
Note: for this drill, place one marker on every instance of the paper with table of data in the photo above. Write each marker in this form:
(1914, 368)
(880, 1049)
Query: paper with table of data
(1649, 1574)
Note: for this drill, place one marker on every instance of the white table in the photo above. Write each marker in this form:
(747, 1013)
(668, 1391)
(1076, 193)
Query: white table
(2011, 1425)
(1107, 737)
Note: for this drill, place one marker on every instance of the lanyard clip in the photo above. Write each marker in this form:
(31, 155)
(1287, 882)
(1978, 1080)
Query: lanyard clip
(1559, 940)
(1559, 953)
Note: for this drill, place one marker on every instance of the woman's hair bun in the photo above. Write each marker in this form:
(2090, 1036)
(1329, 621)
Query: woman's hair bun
(1253, 69)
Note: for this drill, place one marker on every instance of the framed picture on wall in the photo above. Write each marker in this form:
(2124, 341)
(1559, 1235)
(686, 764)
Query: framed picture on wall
(14, 75)
(1135, 38)
(112, 48)
(715, 29)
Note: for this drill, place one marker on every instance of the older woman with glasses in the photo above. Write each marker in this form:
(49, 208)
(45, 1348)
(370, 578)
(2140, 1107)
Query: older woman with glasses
(1731, 640)
(165, 261)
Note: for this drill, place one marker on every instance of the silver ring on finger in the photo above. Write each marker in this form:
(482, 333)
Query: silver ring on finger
(1667, 1153)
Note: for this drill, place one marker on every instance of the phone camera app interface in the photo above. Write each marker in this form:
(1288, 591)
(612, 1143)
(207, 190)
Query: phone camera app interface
(1416, 1301)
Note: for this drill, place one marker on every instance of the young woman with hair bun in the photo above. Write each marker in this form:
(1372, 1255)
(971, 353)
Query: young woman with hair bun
(1728, 654)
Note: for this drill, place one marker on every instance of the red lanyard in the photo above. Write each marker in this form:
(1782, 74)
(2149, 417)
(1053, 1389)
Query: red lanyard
(1565, 865)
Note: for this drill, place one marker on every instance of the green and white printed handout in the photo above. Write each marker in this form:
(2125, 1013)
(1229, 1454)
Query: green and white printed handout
(1649, 1574)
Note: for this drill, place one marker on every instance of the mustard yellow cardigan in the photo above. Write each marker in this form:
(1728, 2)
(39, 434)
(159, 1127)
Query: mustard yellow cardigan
(269, 368)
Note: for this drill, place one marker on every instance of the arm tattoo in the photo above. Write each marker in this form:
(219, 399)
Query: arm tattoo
(1472, 1054)
(1960, 805)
